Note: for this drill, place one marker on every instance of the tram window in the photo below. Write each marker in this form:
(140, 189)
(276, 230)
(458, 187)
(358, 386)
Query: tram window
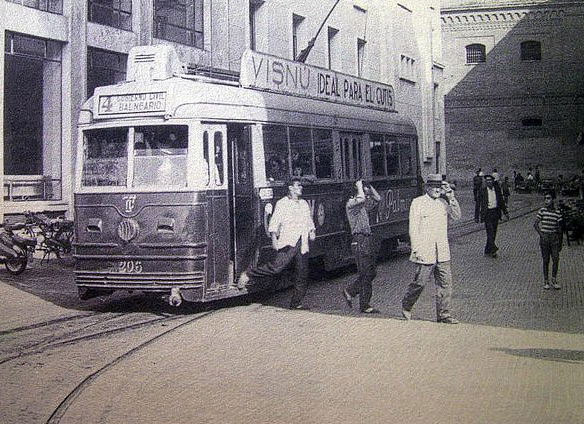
(204, 176)
(160, 155)
(105, 157)
(301, 151)
(357, 163)
(346, 151)
(392, 156)
(351, 149)
(405, 159)
(276, 152)
(323, 153)
(377, 155)
(218, 148)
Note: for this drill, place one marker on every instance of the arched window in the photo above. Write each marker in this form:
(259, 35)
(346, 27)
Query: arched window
(531, 50)
(476, 53)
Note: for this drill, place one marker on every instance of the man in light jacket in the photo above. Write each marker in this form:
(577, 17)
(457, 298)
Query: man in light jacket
(430, 250)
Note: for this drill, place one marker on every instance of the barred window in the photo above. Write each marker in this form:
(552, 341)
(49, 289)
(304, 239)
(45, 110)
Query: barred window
(476, 53)
(180, 21)
(115, 13)
(531, 50)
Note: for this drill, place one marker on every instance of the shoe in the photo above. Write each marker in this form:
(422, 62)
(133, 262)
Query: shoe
(348, 298)
(448, 320)
(546, 285)
(494, 255)
(370, 310)
(407, 314)
(242, 280)
(300, 308)
(555, 284)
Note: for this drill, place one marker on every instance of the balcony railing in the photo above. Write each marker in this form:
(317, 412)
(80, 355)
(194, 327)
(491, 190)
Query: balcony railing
(21, 188)
(52, 6)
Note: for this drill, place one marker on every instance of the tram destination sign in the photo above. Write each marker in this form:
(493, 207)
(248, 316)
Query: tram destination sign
(134, 103)
(270, 73)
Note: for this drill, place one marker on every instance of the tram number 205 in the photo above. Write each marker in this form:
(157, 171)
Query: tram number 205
(130, 267)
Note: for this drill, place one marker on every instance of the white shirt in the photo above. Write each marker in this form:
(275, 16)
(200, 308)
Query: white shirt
(429, 228)
(292, 220)
(491, 198)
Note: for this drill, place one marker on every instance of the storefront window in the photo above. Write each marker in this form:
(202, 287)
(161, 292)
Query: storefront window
(32, 118)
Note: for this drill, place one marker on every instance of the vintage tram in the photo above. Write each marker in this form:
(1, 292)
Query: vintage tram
(177, 174)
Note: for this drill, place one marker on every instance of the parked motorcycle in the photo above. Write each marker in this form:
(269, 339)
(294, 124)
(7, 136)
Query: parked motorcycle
(15, 250)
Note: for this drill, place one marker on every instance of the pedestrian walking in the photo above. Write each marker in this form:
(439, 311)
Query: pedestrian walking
(495, 175)
(291, 227)
(492, 208)
(506, 191)
(477, 184)
(548, 224)
(364, 198)
(430, 250)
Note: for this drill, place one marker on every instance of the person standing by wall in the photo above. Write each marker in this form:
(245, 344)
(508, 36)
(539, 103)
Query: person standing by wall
(492, 208)
(364, 198)
(430, 250)
(548, 224)
(291, 227)
(477, 184)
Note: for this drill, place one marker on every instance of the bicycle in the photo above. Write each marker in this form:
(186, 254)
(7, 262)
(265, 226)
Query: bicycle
(56, 235)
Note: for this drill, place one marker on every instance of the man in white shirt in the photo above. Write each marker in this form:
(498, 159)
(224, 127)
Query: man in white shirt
(430, 250)
(291, 227)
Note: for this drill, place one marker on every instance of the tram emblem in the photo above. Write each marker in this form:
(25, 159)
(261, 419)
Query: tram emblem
(128, 229)
(130, 201)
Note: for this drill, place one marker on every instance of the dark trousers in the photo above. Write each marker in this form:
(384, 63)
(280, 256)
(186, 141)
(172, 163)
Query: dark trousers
(363, 250)
(550, 245)
(282, 259)
(477, 209)
(491, 223)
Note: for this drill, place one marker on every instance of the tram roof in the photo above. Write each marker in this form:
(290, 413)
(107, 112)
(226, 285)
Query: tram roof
(211, 100)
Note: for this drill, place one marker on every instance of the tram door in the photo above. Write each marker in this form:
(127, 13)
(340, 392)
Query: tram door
(243, 241)
(215, 148)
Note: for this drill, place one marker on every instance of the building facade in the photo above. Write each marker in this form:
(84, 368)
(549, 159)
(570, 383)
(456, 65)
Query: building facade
(57, 51)
(514, 86)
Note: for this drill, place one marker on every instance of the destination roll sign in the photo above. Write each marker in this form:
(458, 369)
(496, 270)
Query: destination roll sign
(122, 104)
(270, 73)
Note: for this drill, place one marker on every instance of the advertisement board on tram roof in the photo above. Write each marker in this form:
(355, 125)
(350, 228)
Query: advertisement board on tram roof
(270, 73)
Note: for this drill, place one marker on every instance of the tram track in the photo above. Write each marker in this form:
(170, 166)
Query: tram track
(58, 414)
(87, 327)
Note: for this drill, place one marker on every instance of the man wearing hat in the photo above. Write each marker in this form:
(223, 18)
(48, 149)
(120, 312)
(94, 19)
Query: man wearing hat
(429, 244)
(492, 207)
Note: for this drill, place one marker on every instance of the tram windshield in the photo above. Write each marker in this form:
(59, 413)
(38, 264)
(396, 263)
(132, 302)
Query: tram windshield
(158, 153)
